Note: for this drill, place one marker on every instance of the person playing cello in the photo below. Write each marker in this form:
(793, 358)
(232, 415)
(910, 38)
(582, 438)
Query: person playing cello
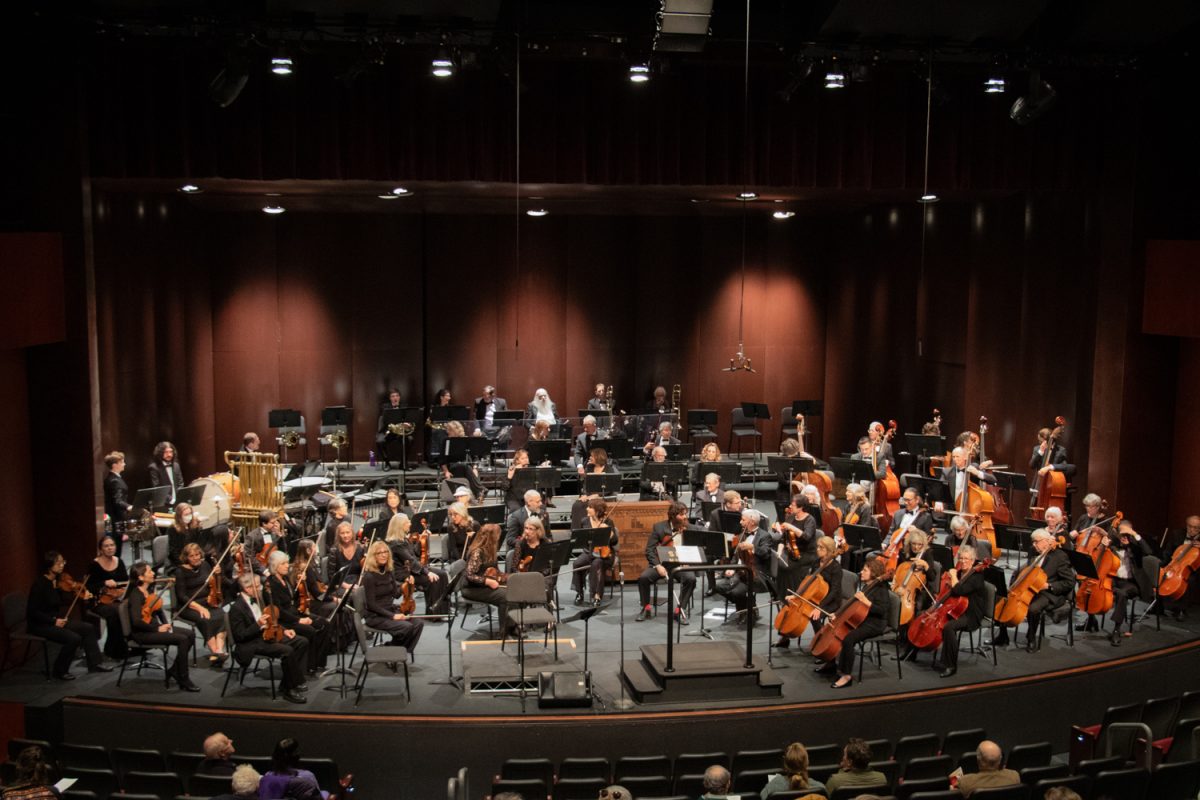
(965, 581)
(1176, 606)
(876, 599)
(830, 570)
(1060, 580)
(1130, 548)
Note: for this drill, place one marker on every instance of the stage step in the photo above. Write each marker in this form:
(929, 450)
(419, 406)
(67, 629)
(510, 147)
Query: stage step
(701, 671)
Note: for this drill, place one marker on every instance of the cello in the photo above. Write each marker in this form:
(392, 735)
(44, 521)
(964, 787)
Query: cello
(828, 642)
(887, 488)
(925, 630)
(1014, 607)
(1174, 577)
(1001, 512)
(907, 583)
(1051, 484)
(793, 616)
(1095, 595)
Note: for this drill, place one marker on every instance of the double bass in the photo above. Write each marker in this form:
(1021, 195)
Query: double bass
(1052, 485)
(925, 630)
(1001, 512)
(828, 642)
(887, 488)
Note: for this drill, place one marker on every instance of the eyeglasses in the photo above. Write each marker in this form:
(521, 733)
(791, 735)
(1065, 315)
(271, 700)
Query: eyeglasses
(615, 794)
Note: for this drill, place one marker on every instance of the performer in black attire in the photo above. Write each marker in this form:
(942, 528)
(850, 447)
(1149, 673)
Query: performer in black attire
(512, 496)
(959, 473)
(877, 598)
(1127, 545)
(734, 585)
(42, 618)
(830, 570)
(1058, 458)
(107, 575)
(1060, 579)
(662, 535)
(1092, 517)
(965, 582)
(392, 447)
(406, 562)
(1175, 539)
(116, 495)
(158, 630)
(184, 530)
(596, 560)
(515, 525)
(394, 503)
(164, 469)
(585, 441)
(279, 592)
(192, 581)
(798, 533)
(460, 525)
(345, 560)
(247, 621)
(480, 557)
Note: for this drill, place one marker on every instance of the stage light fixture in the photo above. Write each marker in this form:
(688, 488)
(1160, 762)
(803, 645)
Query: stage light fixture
(639, 73)
(928, 197)
(400, 191)
(442, 65)
(746, 197)
(281, 64)
(1040, 99)
(835, 79)
(537, 212)
(190, 188)
(784, 214)
(994, 86)
(388, 196)
(273, 209)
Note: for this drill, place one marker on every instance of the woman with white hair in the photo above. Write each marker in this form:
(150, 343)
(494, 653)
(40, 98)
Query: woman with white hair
(541, 408)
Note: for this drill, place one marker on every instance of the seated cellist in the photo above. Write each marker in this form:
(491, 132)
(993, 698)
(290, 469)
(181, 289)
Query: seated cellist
(1176, 606)
(830, 570)
(1060, 580)
(1127, 545)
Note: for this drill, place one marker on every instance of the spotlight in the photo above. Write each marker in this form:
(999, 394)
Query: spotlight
(784, 214)
(400, 191)
(442, 65)
(835, 79)
(281, 64)
(537, 212)
(1040, 99)
(928, 198)
(747, 196)
(273, 209)
(639, 73)
(994, 86)
(190, 188)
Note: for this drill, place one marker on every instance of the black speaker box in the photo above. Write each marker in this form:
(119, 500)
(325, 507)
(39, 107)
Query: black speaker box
(564, 690)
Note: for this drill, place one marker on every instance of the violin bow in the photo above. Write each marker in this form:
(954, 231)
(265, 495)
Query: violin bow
(232, 541)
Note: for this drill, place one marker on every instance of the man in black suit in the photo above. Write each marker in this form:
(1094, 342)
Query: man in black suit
(516, 520)
(164, 469)
(964, 582)
(957, 474)
(713, 489)
(599, 399)
(486, 406)
(1060, 580)
(910, 515)
(247, 622)
(392, 447)
(585, 441)
(1130, 579)
(663, 533)
(664, 437)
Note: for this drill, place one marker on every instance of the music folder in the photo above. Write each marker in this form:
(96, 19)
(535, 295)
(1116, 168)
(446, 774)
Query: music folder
(681, 555)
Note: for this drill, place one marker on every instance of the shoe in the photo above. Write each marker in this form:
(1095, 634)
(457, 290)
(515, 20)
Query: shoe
(681, 618)
(643, 615)
(784, 643)
(1001, 640)
(293, 697)
(909, 655)
(301, 688)
(947, 672)
(65, 676)
(187, 685)
(710, 592)
(99, 668)
(842, 682)
(938, 666)
(1114, 638)
(579, 598)
(826, 669)
(596, 601)
(1031, 646)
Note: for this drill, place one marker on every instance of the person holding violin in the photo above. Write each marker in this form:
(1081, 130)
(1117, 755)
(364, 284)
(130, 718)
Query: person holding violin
(595, 563)
(520, 557)
(193, 583)
(460, 526)
(1127, 545)
(663, 534)
(515, 524)
(876, 599)
(380, 590)
(797, 536)
(267, 537)
(45, 617)
(252, 624)
(148, 624)
(107, 580)
(965, 581)
(345, 560)
(788, 448)
(279, 592)
(482, 575)
(409, 568)
(1171, 544)
(830, 570)
(304, 570)
(1060, 580)
(754, 548)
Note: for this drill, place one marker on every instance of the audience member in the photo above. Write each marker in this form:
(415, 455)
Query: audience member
(856, 768)
(217, 750)
(244, 783)
(508, 796)
(284, 770)
(794, 776)
(716, 783)
(1061, 793)
(615, 792)
(33, 777)
(989, 775)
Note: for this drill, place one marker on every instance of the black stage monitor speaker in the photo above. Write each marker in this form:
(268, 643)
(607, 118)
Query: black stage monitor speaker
(564, 690)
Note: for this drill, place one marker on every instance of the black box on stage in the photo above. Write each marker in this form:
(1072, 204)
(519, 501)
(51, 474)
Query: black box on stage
(564, 690)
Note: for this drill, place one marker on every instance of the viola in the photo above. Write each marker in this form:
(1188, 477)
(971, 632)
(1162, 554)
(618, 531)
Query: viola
(216, 597)
(407, 604)
(1052, 486)
(907, 583)
(828, 642)
(151, 606)
(264, 555)
(925, 629)
(523, 565)
(794, 617)
(111, 594)
(1174, 577)
(272, 631)
(496, 575)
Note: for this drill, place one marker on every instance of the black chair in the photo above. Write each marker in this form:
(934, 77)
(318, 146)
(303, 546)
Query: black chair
(824, 754)
(948, 794)
(1023, 756)
(641, 767)
(210, 785)
(696, 763)
(261, 763)
(892, 634)
(1094, 766)
(15, 604)
(526, 787)
(1032, 775)
(922, 746)
(157, 784)
(324, 769)
(79, 794)
(745, 760)
(1076, 783)
(881, 749)
(823, 772)
(907, 789)
(1179, 781)
(667, 797)
(919, 769)
(957, 742)
(183, 763)
(1183, 746)
(1120, 784)
(138, 651)
(581, 768)
(126, 760)
(989, 605)
(969, 762)
(851, 792)
(750, 781)
(517, 769)
(15, 746)
(233, 665)
(647, 785)
(1086, 739)
(578, 788)
(101, 781)
(891, 771)
(741, 427)
(690, 784)
(392, 655)
(795, 794)
(1018, 791)
(1189, 706)
(1160, 714)
(143, 796)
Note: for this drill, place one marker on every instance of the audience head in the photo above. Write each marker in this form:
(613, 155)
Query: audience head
(857, 754)
(245, 781)
(795, 765)
(615, 792)
(218, 746)
(33, 769)
(716, 780)
(286, 755)
(1061, 793)
(988, 756)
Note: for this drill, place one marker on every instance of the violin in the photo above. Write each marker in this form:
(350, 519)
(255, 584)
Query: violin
(151, 606)
(68, 584)
(264, 555)
(111, 594)
(272, 631)
(1174, 577)
(216, 597)
(303, 599)
(496, 575)
(1051, 486)
(1095, 595)
(794, 617)
(407, 604)
(828, 642)
(925, 629)
(907, 583)
(420, 541)
(523, 565)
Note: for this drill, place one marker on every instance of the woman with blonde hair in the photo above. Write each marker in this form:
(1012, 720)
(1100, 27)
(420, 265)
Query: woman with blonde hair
(380, 590)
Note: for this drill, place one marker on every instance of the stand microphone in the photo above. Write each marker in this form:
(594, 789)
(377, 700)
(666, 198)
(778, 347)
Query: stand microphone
(622, 703)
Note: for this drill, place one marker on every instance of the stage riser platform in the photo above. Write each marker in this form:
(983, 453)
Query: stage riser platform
(702, 672)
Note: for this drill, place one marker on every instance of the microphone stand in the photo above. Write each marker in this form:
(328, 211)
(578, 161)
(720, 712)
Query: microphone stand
(622, 703)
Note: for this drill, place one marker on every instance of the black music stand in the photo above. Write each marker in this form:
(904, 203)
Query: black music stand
(607, 485)
(709, 542)
(706, 510)
(487, 514)
(507, 419)
(932, 490)
(754, 412)
(539, 478)
(671, 474)
(730, 521)
(862, 539)
(617, 447)
(152, 497)
(784, 468)
(556, 451)
(730, 471)
(851, 469)
(702, 422)
(1014, 537)
(283, 418)
(467, 448)
(449, 413)
(192, 495)
(1008, 481)
(678, 452)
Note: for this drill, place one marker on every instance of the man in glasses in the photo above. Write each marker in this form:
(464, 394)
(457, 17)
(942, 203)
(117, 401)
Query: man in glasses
(615, 793)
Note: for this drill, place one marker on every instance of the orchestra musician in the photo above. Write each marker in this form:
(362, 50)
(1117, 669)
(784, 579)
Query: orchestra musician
(345, 559)
(437, 432)
(391, 446)
(164, 469)
(107, 574)
(830, 570)
(1175, 539)
(796, 539)
(380, 591)
(911, 514)
(520, 460)
(597, 561)
(959, 472)
(280, 592)
(184, 530)
(460, 526)
(45, 617)
(659, 404)
(788, 448)
(482, 587)
(116, 495)
(515, 524)
(960, 535)
(520, 558)
(866, 454)
(713, 489)
(858, 510)
(876, 599)
(1060, 581)
(879, 443)
(304, 569)
(406, 559)
(158, 630)
(247, 622)
(964, 582)
(268, 536)
(664, 437)
(708, 454)
(916, 550)
(598, 401)
(541, 409)
(250, 442)
(458, 469)
(585, 442)
(663, 534)
(1127, 545)
(656, 490)
(1058, 458)
(486, 406)
(192, 585)
(1056, 524)
(394, 503)
(540, 432)
(754, 546)
(1092, 517)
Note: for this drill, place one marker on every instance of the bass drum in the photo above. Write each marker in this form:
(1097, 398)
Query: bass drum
(230, 483)
(214, 507)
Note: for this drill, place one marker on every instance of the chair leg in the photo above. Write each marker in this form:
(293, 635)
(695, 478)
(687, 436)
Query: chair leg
(407, 688)
(166, 666)
(271, 674)
(228, 675)
(360, 680)
(899, 661)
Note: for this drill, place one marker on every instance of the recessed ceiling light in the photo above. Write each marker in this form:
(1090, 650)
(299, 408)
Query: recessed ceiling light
(537, 212)
(389, 197)
(281, 65)
(190, 188)
(442, 65)
(835, 80)
(400, 191)
(994, 86)
(639, 73)
(273, 209)
(747, 196)
(784, 214)
(929, 198)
